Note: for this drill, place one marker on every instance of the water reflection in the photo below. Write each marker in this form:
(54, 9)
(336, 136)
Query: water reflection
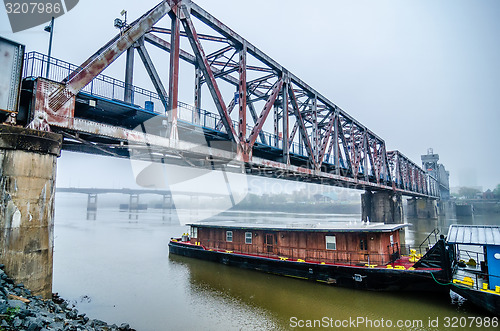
(91, 215)
(284, 297)
(124, 266)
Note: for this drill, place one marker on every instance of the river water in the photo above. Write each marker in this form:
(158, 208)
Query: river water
(116, 268)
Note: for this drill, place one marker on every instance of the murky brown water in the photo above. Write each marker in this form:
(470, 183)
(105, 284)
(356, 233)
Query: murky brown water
(118, 269)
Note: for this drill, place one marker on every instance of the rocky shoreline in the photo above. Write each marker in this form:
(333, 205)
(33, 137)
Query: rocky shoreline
(20, 310)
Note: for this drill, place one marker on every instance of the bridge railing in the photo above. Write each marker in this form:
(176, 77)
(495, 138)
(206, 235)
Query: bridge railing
(35, 65)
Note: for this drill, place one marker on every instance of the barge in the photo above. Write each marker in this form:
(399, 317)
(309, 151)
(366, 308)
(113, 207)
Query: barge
(476, 264)
(361, 256)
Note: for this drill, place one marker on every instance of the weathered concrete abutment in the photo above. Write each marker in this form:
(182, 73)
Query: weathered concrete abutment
(386, 207)
(422, 208)
(28, 161)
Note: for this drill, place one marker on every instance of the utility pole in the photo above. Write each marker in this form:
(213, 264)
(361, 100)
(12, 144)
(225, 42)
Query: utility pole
(49, 28)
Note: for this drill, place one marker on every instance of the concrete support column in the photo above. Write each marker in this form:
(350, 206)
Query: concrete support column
(385, 207)
(28, 161)
(422, 208)
(167, 202)
(134, 202)
(92, 202)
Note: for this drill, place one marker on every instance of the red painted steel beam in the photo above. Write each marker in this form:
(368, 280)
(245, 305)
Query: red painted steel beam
(336, 152)
(253, 68)
(230, 108)
(263, 115)
(242, 100)
(343, 139)
(218, 53)
(302, 127)
(375, 160)
(173, 86)
(326, 138)
(190, 58)
(366, 152)
(183, 34)
(153, 74)
(197, 95)
(294, 132)
(165, 45)
(315, 131)
(285, 120)
(207, 72)
(387, 172)
(98, 63)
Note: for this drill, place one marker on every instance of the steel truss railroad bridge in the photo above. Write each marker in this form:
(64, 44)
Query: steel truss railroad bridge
(314, 140)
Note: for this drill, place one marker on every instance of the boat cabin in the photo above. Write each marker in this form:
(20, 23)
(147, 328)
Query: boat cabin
(344, 243)
(477, 255)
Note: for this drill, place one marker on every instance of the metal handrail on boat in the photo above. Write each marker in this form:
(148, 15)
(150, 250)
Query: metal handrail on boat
(427, 240)
(473, 279)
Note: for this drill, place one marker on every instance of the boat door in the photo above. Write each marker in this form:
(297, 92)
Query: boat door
(493, 256)
(270, 243)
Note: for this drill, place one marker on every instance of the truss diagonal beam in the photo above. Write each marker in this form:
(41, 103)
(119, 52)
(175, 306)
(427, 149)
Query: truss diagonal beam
(153, 74)
(253, 113)
(98, 63)
(292, 135)
(263, 115)
(242, 99)
(302, 127)
(173, 86)
(326, 138)
(183, 34)
(207, 73)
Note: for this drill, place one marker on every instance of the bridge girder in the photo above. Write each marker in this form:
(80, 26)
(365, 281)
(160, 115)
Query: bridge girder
(334, 142)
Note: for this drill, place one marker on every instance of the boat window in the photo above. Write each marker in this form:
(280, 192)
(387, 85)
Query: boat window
(363, 244)
(194, 232)
(331, 242)
(229, 236)
(248, 237)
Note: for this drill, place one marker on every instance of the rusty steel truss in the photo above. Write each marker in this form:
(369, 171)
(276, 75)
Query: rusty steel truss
(316, 140)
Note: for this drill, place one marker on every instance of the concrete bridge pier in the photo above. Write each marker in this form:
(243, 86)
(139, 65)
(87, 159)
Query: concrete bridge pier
(167, 203)
(91, 202)
(133, 202)
(422, 208)
(28, 161)
(385, 207)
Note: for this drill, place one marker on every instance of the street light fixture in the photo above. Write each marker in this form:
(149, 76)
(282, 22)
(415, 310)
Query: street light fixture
(50, 29)
(119, 24)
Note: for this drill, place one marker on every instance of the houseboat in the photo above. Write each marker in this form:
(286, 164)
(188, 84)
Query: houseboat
(359, 255)
(476, 264)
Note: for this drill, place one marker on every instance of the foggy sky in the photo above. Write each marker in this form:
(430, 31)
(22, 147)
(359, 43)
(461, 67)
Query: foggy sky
(420, 74)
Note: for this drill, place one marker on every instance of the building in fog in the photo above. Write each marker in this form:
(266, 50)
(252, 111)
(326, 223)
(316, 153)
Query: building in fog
(436, 170)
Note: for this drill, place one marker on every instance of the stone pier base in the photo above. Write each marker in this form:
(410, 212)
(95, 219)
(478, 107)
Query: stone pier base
(422, 208)
(27, 185)
(385, 207)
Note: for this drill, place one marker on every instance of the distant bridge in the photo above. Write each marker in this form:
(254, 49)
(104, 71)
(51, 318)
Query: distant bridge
(134, 205)
(132, 191)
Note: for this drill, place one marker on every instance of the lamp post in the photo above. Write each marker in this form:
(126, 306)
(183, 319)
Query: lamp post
(49, 28)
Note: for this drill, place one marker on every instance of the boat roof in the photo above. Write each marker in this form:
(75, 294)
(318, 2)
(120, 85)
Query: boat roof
(307, 227)
(474, 234)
